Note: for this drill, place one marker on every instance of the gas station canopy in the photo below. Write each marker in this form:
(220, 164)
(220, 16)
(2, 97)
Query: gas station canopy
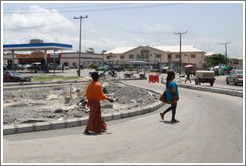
(36, 46)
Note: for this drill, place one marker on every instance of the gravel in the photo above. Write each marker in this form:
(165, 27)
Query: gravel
(47, 104)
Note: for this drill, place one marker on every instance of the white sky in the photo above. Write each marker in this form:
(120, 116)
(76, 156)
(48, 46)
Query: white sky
(125, 24)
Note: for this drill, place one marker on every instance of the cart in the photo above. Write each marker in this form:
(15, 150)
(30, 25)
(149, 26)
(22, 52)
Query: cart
(204, 76)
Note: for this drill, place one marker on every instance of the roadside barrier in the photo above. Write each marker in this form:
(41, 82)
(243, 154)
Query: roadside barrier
(153, 78)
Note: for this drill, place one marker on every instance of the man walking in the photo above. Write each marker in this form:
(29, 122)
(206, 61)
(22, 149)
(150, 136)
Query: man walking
(187, 71)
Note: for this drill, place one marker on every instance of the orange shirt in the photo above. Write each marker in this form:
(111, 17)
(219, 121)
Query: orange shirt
(94, 91)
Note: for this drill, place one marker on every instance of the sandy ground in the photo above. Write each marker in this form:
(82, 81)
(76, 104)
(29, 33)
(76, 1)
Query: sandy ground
(47, 104)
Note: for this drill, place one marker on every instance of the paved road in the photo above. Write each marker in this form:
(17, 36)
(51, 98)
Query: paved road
(219, 82)
(210, 131)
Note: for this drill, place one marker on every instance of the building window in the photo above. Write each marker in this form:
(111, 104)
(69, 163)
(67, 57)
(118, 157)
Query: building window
(169, 56)
(193, 55)
(131, 56)
(122, 57)
(158, 56)
(177, 56)
(108, 57)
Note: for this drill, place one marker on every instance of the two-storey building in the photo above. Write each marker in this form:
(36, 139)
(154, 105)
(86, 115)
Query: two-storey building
(167, 55)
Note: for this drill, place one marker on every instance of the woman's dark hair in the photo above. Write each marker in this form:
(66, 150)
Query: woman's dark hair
(94, 76)
(170, 76)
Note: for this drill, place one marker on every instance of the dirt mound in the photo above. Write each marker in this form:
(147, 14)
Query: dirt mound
(47, 104)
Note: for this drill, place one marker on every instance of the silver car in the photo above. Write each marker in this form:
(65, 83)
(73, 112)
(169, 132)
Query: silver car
(235, 77)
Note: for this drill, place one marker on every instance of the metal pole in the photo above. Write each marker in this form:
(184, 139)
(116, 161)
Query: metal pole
(180, 61)
(54, 62)
(226, 50)
(80, 40)
(79, 44)
(180, 52)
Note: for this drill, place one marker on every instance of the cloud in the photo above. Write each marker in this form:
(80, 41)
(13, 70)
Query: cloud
(47, 25)
(157, 28)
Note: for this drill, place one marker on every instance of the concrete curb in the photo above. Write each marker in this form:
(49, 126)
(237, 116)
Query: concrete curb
(212, 89)
(59, 124)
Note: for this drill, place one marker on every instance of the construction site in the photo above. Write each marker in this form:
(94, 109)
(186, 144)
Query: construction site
(66, 101)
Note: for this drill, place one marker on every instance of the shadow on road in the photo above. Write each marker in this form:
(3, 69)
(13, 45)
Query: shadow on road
(167, 122)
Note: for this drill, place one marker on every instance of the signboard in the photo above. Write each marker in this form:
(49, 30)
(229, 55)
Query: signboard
(54, 55)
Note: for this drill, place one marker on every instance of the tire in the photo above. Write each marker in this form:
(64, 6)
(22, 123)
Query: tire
(227, 82)
(196, 82)
(211, 83)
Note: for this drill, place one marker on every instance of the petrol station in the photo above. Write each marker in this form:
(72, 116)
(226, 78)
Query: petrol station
(39, 52)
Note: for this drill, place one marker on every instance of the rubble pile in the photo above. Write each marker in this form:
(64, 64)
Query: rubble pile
(64, 102)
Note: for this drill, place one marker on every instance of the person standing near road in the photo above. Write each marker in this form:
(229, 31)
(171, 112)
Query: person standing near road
(94, 94)
(187, 71)
(172, 96)
(62, 67)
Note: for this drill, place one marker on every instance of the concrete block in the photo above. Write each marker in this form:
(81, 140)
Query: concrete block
(234, 93)
(9, 129)
(41, 126)
(116, 115)
(22, 128)
(83, 121)
(107, 117)
(125, 114)
(58, 124)
(133, 112)
(147, 109)
(72, 122)
(140, 111)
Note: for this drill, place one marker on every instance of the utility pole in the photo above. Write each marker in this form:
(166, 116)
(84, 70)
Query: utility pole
(226, 49)
(180, 48)
(80, 18)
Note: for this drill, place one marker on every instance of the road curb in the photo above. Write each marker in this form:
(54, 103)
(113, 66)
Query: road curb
(74, 122)
(212, 89)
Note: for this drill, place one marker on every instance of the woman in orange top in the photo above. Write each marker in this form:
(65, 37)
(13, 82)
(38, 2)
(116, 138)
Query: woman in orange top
(94, 94)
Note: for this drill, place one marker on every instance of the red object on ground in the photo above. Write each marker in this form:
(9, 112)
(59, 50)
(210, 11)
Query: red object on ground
(153, 78)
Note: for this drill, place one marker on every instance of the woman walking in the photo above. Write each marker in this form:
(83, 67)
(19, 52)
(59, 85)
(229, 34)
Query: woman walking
(172, 96)
(94, 94)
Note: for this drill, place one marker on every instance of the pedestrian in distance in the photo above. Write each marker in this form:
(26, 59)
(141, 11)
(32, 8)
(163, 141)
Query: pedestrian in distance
(187, 71)
(62, 67)
(94, 94)
(172, 96)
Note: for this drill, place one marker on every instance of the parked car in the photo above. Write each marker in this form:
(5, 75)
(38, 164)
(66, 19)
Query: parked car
(59, 67)
(103, 68)
(14, 76)
(235, 77)
(204, 76)
(26, 66)
(5, 66)
(52, 66)
(36, 66)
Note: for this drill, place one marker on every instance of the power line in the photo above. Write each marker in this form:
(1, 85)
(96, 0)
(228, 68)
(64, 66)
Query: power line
(99, 9)
(124, 29)
(92, 6)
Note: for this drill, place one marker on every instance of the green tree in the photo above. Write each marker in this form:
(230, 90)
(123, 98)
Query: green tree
(214, 60)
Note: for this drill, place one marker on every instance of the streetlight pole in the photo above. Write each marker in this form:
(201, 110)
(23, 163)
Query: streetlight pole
(80, 18)
(226, 49)
(180, 62)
